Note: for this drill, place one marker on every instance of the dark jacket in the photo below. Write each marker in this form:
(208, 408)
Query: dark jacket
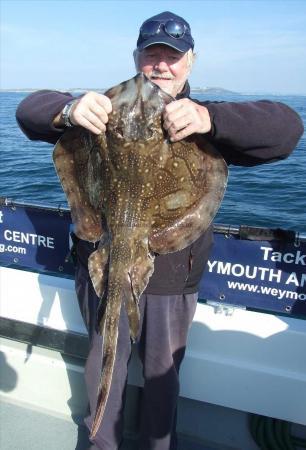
(246, 134)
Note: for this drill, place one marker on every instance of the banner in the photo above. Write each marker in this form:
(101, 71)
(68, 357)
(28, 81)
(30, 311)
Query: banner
(35, 238)
(267, 275)
(258, 274)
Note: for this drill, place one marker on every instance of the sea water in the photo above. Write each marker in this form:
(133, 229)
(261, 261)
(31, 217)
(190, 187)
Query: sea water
(270, 195)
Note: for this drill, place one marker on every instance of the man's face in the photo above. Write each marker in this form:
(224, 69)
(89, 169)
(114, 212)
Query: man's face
(165, 66)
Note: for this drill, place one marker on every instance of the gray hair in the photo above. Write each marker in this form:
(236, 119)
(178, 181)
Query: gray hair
(191, 56)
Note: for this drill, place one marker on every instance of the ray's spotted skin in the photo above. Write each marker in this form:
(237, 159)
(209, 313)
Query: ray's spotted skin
(138, 194)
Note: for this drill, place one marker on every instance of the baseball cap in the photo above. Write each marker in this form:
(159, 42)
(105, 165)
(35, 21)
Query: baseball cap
(168, 29)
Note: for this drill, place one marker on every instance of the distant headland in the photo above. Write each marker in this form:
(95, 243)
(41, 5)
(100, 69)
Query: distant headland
(194, 90)
(212, 90)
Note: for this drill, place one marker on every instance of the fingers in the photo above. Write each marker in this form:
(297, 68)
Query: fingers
(91, 112)
(91, 122)
(104, 102)
(99, 112)
(181, 134)
(185, 117)
(174, 117)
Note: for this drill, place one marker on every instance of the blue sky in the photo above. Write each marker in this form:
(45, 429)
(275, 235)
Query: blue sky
(245, 46)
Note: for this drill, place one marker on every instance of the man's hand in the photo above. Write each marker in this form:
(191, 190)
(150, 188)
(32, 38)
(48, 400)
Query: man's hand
(185, 117)
(90, 111)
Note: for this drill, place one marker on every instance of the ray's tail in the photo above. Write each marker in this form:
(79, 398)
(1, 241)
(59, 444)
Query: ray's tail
(127, 276)
(110, 338)
(109, 274)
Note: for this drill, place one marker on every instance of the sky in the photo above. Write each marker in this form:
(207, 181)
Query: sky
(246, 46)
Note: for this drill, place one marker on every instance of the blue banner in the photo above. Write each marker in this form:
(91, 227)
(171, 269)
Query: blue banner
(258, 274)
(267, 275)
(35, 238)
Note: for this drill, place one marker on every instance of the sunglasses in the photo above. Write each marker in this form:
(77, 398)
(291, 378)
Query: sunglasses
(173, 28)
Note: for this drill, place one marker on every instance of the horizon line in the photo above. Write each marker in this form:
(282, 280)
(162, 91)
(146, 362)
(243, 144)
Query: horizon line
(195, 88)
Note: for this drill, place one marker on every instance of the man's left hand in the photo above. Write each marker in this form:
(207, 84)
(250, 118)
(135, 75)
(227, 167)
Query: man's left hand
(185, 117)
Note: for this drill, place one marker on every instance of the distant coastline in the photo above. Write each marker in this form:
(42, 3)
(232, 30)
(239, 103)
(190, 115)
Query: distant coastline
(194, 90)
(213, 90)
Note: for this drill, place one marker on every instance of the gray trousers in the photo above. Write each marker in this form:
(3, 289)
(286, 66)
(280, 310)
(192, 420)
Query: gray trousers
(165, 321)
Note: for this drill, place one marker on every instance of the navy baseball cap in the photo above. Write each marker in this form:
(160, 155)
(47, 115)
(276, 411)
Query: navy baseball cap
(168, 29)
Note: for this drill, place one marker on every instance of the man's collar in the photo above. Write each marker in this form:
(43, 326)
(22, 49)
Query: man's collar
(184, 93)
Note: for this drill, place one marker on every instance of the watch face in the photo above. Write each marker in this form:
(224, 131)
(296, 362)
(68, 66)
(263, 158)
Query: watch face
(66, 114)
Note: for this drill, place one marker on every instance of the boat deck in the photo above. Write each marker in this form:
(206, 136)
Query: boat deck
(237, 362)
(28, 429)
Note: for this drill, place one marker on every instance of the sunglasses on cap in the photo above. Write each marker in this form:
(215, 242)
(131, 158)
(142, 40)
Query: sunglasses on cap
(172, 28)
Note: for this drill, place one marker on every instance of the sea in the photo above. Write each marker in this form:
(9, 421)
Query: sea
(270, 195)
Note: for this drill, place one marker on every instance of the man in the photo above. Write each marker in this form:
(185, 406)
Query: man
(245, 134)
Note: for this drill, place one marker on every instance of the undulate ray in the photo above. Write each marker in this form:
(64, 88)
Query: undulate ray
(138, 195)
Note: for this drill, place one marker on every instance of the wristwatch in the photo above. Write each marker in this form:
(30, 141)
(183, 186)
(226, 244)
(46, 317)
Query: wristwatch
(66, 114)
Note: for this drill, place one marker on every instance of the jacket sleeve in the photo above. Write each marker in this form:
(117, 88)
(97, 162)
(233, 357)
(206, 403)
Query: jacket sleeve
(36, 112)
(251, 133)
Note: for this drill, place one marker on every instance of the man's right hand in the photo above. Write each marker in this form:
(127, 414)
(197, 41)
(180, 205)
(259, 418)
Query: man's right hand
(90, 111)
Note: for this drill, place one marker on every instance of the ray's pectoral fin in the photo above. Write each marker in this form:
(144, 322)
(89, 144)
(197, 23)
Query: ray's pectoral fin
(98, 263)
(74, 156)
(193, 185)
